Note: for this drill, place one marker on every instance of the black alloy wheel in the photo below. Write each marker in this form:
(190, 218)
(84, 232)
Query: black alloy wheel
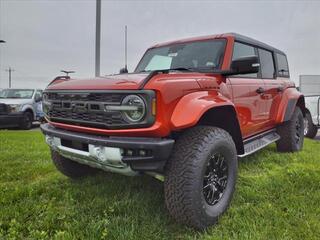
(298, 131)
(215, 179)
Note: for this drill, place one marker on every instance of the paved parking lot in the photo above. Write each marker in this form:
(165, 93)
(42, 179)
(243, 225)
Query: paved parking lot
(35, 127)
(318, 136)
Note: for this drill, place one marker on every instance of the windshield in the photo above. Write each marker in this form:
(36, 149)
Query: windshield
(193, 55)
(16, 93)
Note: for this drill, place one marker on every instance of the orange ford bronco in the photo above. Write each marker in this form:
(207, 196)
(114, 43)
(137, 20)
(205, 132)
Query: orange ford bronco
(189, 111)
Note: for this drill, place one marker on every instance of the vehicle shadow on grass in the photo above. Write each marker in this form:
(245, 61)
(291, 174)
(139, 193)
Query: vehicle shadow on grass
(136, 206)
(135, 202)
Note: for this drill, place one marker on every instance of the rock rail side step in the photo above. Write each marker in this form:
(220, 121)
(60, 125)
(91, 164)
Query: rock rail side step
(259, 141)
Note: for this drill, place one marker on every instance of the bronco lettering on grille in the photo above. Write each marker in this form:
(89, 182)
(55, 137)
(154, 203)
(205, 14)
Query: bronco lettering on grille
(79, 106)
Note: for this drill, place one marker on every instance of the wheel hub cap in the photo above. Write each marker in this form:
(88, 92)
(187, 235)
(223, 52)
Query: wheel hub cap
(215, 179)
(306, 127)
(298, 131)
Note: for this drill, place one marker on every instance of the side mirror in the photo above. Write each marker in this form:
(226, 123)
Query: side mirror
(38, 99)
(244, 65)
(123, 70)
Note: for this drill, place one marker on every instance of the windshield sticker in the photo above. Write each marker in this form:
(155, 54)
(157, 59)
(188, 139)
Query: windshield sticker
(173, 54)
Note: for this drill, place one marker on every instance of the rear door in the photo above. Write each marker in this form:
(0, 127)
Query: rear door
(274, 83)
(248, 96)
(273, 87)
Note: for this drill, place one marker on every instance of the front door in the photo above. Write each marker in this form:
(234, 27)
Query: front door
(248, 95)
(249, 104)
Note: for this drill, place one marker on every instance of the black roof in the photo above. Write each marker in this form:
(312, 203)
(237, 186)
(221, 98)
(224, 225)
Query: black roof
(251, 41)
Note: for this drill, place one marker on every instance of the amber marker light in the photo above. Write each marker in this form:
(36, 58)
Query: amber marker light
(154, 107)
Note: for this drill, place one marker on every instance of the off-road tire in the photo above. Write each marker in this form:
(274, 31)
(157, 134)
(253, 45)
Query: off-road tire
(184, 176)
(311, 129)
(26, 121)
(71, 168)
(289, 133)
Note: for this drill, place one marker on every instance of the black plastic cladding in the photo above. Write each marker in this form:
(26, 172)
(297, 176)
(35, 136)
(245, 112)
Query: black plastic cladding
(160, 148)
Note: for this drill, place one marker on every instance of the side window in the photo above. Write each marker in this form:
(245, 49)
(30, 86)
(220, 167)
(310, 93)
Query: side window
(266, 64)
(243, 50)
(283, 68)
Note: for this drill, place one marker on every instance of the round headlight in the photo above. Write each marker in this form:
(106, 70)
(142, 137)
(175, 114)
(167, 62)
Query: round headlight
(14, 107)
(138, 108)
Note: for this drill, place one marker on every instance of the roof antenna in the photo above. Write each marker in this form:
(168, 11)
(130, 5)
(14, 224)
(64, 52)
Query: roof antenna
(126, 48)
(125, 69)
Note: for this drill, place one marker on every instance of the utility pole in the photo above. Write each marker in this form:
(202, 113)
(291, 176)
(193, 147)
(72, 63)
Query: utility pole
(1, 41)
(10, 70)
(98, 37)
(125, 48)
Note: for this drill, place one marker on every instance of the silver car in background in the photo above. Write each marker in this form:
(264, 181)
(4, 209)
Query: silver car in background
(310, 87)
(20, 107)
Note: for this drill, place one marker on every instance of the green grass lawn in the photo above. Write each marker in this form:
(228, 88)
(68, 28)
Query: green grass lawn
(277, 197)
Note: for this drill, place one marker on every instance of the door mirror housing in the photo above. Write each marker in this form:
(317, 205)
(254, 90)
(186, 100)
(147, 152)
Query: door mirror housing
(123, 70)
(244, 65)
(38, 99)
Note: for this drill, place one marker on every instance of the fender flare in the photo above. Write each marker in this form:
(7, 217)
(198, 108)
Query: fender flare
(202, 106)
(192, 106)
(28, 107)
(290, 99)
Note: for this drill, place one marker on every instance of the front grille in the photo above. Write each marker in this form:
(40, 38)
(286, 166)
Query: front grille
(4, 109)
(97, 97)
(89, 108)
(109, 119)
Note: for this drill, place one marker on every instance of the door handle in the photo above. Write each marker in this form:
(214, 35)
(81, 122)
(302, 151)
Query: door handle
(280, 89)
(260, 90)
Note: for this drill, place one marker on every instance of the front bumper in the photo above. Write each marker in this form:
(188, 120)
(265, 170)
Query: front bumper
(127, 155)
(11, 119)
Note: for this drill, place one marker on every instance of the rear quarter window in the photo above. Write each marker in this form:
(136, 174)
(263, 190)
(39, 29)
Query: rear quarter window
(283, 68)
(266, 64)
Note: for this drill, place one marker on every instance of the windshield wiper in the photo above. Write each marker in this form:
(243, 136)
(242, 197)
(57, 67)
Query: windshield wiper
(181, 69)
(192, 69)
(186, 69)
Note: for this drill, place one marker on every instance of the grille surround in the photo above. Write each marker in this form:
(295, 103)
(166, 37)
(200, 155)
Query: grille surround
(4, 108)
(87, 108)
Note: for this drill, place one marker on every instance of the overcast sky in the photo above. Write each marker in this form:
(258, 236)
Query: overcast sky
(43, 37)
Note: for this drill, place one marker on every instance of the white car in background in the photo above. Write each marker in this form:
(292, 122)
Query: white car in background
(20, 107)
(310, 87)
